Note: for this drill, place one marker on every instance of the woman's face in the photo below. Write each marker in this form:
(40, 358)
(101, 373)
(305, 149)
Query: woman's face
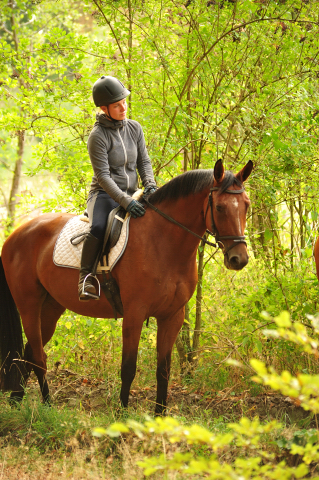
(116, 110)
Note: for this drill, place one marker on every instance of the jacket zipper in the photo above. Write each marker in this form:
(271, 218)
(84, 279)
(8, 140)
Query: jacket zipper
(125, 160)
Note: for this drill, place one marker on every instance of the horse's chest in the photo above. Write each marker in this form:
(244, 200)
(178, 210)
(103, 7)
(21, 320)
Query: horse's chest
(172, 293)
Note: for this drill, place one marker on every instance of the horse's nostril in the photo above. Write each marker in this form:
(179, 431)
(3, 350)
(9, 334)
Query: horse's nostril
(237, 262)
(234, 260)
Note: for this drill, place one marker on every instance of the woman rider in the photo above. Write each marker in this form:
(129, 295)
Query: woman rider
(117, 148)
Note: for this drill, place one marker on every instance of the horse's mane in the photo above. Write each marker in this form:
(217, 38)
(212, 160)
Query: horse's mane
(191, 182)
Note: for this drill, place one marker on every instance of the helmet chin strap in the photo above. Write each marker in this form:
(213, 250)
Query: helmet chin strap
(109, 116)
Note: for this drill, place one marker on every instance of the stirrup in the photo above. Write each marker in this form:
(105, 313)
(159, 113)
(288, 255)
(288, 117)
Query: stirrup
(89, 295)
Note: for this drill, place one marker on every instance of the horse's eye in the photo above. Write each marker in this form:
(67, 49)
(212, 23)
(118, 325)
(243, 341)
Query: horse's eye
(219, 208)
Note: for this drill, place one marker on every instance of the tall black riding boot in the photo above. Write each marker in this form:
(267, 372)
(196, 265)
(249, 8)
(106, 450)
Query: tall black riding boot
(91, 248)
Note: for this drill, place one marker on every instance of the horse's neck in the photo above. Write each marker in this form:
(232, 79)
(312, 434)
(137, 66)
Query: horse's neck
(188, 211)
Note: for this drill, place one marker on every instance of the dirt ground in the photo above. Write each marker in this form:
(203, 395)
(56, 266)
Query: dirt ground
(72, 389)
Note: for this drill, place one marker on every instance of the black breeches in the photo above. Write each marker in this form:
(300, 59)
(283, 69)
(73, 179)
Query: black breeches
(99, 207)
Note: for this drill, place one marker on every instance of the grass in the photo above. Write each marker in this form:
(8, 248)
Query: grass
(57, 441)
(39, 442)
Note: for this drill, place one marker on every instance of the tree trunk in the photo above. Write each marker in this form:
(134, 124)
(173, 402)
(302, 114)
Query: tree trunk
(183, 343)
(291, 207)
(302, 224)
(130, 45)
(258, 225)
(199, 296)
(15, 181)
(21, 141)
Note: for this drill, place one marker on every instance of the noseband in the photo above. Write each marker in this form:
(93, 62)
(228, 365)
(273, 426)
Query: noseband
(235, 238)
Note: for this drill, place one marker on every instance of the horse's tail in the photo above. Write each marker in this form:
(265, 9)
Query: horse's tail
(11, 340)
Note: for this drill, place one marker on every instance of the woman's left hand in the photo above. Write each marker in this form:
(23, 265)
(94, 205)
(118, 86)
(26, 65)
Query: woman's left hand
(136, 209)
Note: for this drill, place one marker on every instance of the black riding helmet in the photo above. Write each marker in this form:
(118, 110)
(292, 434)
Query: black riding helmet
(108, 90)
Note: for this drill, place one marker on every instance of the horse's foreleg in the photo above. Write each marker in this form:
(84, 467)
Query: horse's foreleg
(131, 332)
(167, 331)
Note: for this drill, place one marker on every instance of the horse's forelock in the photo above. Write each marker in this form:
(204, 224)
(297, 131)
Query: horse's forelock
(228, 181)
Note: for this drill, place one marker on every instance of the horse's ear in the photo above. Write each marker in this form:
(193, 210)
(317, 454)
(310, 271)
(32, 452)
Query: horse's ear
(245, 172)
(219, 171)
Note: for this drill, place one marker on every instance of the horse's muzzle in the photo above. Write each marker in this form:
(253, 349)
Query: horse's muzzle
(236, 258)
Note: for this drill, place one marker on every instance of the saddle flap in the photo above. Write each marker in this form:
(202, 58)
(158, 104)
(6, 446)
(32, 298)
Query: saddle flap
(113, 228)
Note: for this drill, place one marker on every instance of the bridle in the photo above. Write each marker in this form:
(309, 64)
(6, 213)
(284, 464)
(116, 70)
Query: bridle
(236, 239)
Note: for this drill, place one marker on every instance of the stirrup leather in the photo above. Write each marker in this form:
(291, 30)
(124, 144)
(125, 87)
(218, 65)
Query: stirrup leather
(87, 294)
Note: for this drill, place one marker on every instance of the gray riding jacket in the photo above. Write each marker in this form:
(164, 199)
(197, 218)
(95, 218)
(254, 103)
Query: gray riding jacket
(116, 150)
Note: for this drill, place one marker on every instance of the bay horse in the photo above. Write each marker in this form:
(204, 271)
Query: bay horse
(157, 275)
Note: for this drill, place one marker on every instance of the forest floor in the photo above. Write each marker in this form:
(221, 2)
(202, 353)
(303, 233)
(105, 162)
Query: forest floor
(37, 443)
(71, 389)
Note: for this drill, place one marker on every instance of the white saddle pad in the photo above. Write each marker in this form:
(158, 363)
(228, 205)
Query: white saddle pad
(66, 254)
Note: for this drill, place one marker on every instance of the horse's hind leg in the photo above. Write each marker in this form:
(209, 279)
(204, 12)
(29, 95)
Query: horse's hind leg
(39, 321)
(29, 306)
(167, 331)
(51, 311)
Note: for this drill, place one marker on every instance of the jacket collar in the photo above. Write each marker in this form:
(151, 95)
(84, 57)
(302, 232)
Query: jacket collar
(103, 120)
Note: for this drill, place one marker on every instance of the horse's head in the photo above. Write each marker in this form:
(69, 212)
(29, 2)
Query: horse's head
(226, 212)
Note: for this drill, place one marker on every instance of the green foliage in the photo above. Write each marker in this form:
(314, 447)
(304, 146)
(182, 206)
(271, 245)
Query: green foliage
(245, 441)
(86, 343)
(233, 326)
(304, 387)
(206, 81)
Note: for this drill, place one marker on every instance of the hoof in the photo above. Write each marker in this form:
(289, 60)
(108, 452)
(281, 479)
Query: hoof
(160, 410)
(16, 398)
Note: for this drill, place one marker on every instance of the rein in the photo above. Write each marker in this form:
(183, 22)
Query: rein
(170, 219)
(214, 233)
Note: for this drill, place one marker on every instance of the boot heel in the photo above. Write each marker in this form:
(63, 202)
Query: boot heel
(85, 295)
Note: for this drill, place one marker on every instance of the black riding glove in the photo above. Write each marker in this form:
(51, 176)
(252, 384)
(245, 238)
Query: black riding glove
(135, 209)
(149, 190)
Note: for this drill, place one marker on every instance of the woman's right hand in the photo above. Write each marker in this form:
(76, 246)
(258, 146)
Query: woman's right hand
(136, 209)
